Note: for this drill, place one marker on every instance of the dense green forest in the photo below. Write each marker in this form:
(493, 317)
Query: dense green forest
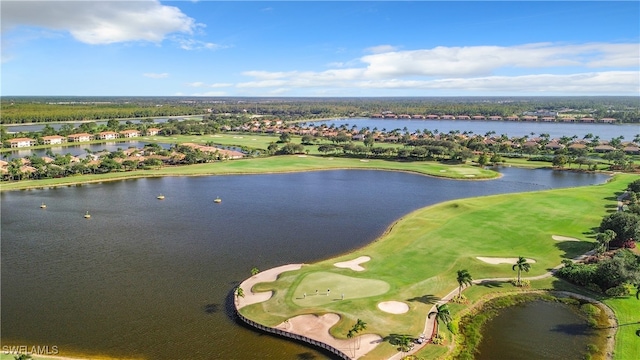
(17, 110)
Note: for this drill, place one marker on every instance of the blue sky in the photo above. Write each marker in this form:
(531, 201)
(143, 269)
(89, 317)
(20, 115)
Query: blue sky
(322, 48)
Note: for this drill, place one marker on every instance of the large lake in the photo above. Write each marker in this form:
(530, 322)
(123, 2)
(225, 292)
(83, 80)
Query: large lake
(152, 278)
(509, 128)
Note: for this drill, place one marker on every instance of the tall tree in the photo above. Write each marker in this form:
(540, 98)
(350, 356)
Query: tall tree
(521, 265)
(442, 314)
(463, 278)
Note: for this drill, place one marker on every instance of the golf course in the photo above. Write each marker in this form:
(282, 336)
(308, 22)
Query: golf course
(415, 262)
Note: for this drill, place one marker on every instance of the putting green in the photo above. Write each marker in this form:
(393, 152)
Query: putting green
(351, 287)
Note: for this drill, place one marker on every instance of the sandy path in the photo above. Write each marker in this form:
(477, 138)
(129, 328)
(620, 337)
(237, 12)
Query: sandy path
(317, 328)
(265, 276)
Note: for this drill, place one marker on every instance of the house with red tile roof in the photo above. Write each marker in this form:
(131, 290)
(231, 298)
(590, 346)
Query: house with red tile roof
(108, 135)
(53, 139)
(80, 137)
(22, 142)
(152, 131)
(131, 133)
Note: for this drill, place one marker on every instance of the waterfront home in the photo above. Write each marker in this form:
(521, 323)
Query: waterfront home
(108, 135)
(22, 142)
(604, 148)
(80, 137)
(478, 117)
(495, 118)
(53, 139)
(529, 118)
(548, 119)
(512, 118)
(448, 117)
(608, 120)
(631, 149)
(152, 131)
(130, 133)
(587, 120)
(432, 117)
(463, 117)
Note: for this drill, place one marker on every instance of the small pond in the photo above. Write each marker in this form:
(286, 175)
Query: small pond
(520, 332)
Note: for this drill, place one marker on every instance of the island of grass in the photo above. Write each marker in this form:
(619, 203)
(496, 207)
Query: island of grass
(414, 263)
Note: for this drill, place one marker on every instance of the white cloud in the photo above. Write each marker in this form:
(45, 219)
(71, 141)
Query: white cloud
(100, 22)
(210, 93)
(215, 85)
(156, 76)
(192, 44)
(381, 49)
(593, 68)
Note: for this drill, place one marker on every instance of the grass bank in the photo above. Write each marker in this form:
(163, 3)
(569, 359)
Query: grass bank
(418, 257)
(273, 164)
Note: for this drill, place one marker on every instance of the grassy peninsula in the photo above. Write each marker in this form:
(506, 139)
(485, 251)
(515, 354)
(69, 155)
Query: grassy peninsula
(415, 262)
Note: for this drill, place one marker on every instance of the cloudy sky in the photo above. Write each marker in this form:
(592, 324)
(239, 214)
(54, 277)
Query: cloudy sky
(321, 48)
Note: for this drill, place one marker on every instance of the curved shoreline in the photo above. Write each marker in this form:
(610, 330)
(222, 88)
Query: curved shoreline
(231, 173)
(430, 322)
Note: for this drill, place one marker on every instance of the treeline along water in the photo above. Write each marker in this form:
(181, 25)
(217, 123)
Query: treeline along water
(152, 278)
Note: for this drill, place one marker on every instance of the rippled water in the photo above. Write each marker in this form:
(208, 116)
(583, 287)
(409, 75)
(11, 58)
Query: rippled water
(151, 278)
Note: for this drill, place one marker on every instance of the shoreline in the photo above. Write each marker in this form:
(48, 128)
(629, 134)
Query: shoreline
(152, 175)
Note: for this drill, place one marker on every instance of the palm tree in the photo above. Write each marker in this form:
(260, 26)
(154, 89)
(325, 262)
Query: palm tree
(404, 341)
(605, 238)
(464, 278)
(359, 326)
(442, 314)
(521, 264)
(239, 292)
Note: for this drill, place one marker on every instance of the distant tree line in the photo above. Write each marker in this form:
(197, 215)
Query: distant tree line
(33, 109)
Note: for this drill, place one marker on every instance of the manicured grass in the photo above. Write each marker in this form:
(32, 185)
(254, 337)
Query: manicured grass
(273, 164)
(315, 286)
(419, 255)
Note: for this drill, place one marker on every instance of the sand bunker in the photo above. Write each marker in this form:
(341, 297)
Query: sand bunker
(393, 307)
(265, 276)
(353, 264)
(563, 238)
(317, 328)
(497, 260)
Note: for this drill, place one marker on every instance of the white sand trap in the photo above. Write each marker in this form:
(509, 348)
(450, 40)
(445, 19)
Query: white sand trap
(265, 276)
(353, 264)
(393, 307)
(364, 160)
(443, 170)
(563, 238)
(317, 328)
(469, 175)
(302, 155)
(497, 260)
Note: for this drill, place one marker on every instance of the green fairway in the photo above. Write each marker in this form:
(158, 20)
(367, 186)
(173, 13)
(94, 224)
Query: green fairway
(273, 164)
(419, 255)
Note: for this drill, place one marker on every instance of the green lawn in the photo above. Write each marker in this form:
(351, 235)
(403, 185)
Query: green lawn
(273, 164)
(419, 255)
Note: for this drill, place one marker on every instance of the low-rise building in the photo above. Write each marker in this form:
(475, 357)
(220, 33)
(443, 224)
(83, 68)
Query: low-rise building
(53, 139)
(80, 137)
(22, 142)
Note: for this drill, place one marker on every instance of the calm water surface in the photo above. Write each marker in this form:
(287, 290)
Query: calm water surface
(555, 130)
(152, 278)
(520, 333)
